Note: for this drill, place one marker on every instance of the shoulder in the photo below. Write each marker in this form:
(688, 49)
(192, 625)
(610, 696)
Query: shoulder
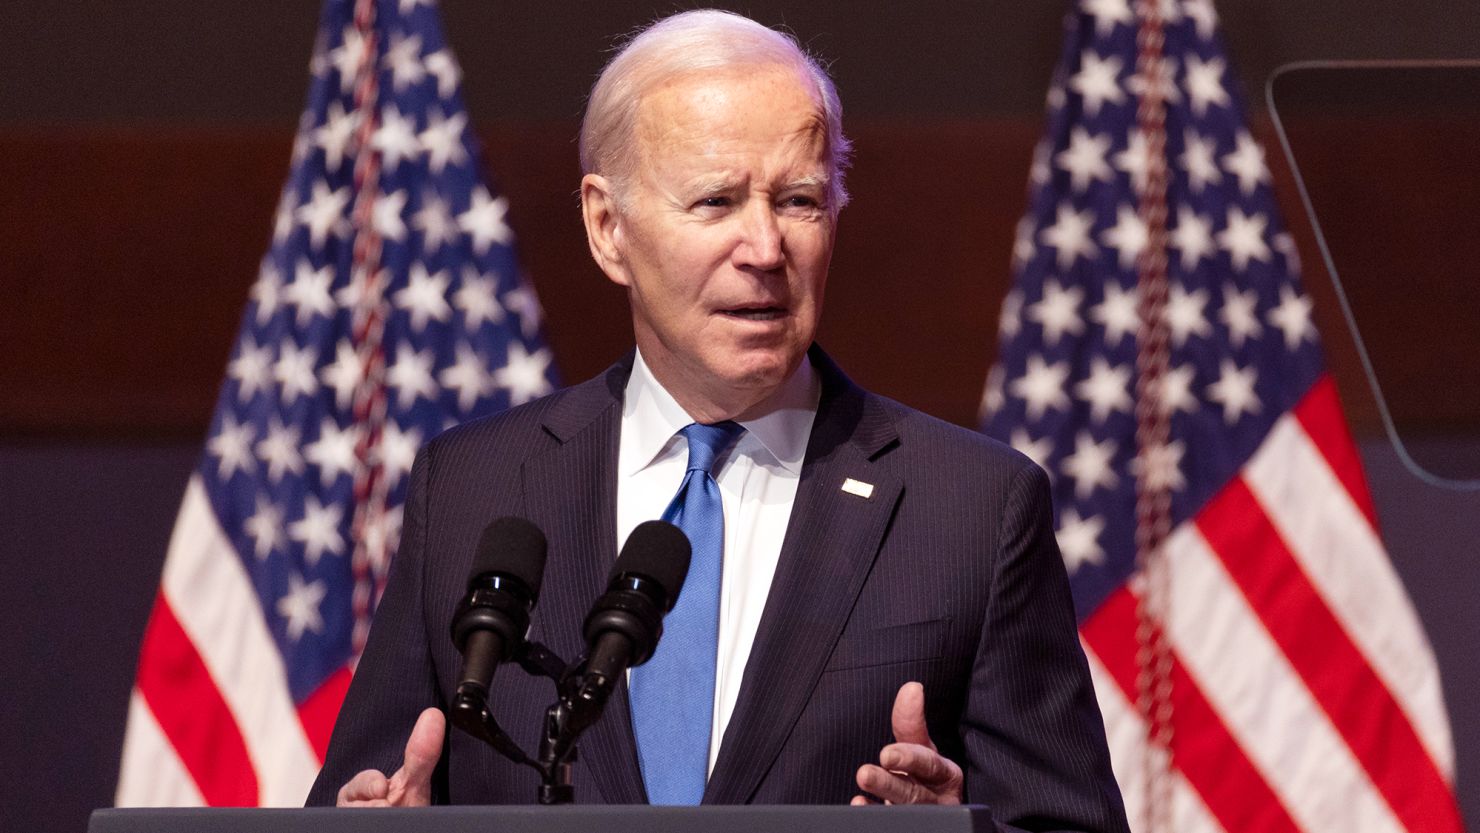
(924, 436)
(517, 432)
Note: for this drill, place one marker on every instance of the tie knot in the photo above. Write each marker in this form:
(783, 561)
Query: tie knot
(707, 441)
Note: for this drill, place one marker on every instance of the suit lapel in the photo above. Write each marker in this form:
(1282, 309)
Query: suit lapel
(830, 545)
(570, 492)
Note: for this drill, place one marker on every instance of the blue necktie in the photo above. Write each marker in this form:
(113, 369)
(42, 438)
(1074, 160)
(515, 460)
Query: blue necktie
(673, 693)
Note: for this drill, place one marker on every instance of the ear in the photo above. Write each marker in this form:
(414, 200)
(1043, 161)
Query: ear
(603, 226)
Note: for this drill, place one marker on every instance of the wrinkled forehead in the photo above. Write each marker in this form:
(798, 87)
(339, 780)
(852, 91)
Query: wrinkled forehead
(707, 107)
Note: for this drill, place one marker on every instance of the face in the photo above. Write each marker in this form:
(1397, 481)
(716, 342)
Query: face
(725, 234)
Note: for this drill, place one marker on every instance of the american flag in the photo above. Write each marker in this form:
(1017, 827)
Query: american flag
(389, 306)
(1257, 661)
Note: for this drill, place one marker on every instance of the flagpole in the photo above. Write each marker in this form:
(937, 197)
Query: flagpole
(1153, 424)
(367, 331)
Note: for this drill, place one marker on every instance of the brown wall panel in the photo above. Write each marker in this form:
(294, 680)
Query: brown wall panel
(129, 254)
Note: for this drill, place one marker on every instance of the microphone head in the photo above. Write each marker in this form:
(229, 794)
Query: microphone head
(658, 551)
(514, 547)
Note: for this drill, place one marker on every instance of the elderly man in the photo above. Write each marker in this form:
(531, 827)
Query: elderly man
(854, 549)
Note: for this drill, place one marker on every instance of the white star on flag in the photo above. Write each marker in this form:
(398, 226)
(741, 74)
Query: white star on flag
(334, 135)
(523, 374)
(1106, 389)
(1184, 314)
(435, 223)
(444, 68)
(1084, 159)
(334, 451)
(477, 301)
(299, 607)
(1041, 387)
(1058, 311)
(344, 373)
(1199, 160)
(1205, 83)
(395, 138)
(1234, 390)
(425, 297)
(1176, 389)
(1135, 160)
(1238, 315)
(484, 220)
(1108, 14)
(265, 528)
(1243, 238)
(1118, 312)
(1097, 81)
(468, 376)
(1193, 237)
(398, 451)
(403, 59)
(233, 446)
(1079, 540)
(521, 301)
(1127, 237)
(1038, 450)
(318, 529)
(1247, 163)
(294, 371)
(386, 216)
(1292, 317)
(279, 450)
(347, 57)
(1161, 466)
(324, 214)
(443, 140)
(1090, 464)
(1069, 235)
(411, 376)
(251, 369)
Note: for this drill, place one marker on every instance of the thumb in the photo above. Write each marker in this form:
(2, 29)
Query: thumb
(908, 717)
(423, 750)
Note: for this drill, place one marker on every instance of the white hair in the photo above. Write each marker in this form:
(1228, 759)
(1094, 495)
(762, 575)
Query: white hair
(704, 39)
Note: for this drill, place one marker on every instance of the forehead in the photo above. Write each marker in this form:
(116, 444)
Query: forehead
(765, 108)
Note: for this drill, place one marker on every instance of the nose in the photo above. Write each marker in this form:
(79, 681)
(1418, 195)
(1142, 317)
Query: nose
(760, 244)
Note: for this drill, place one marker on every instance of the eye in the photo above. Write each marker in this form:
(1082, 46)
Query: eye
(713, 202)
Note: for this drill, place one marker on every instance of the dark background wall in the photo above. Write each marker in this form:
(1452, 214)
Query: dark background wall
(142, 146)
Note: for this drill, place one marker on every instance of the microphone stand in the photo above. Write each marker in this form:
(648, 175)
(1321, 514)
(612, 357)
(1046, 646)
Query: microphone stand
(469, 712)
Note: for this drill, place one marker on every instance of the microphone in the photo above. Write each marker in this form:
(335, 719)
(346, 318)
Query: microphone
(492, 620)
(625, 624)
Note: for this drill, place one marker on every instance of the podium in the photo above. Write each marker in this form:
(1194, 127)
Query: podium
(536, 819)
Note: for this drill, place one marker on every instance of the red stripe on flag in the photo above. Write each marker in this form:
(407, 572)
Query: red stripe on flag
(179, 690)
(1360, 706)
(1319, 413)
(318, 712)
(1202, 747)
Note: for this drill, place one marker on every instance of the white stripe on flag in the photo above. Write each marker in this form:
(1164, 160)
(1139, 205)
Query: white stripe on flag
(1263, 701)
(212, 596)
(1126, 733)
(1348, 565)
(152, 774)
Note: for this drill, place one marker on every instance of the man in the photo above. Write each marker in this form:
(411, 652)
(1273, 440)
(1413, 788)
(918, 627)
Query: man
(866, 548)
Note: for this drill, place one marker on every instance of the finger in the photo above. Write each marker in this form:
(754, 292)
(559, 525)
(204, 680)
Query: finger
(411, 786)
(893, 788)
(925, 765)
(860, 801)
(908, 717)
(368, 786)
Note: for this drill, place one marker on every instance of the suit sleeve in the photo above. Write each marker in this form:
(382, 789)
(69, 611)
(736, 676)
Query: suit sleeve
(1033, 736)
(395, 679)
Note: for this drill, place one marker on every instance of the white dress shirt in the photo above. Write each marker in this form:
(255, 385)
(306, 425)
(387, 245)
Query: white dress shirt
(757, 480)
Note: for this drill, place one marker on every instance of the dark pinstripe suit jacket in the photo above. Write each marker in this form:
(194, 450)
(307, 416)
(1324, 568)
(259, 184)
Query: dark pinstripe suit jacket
(947, 573)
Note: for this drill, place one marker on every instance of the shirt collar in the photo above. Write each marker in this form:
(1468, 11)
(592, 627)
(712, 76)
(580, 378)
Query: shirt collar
(651, 416)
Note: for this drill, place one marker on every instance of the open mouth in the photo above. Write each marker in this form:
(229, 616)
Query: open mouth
(755, 313)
